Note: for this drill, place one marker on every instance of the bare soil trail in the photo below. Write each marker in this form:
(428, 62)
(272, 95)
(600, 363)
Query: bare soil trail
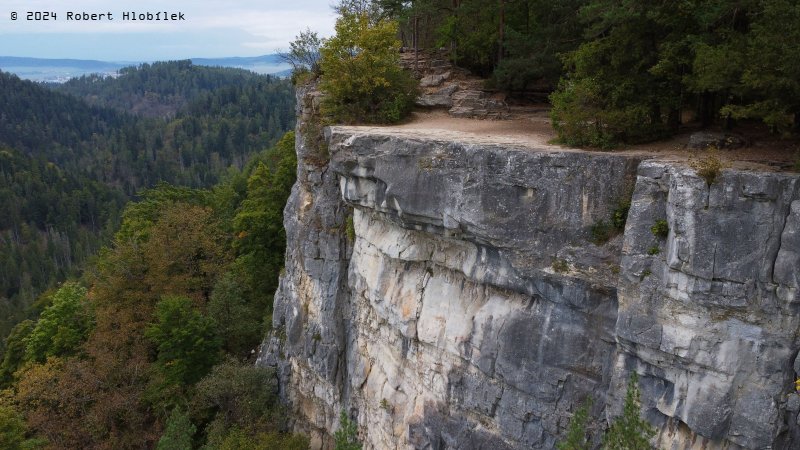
(531, 128)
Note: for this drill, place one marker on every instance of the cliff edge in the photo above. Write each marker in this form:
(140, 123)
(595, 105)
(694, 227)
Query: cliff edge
(454, 293)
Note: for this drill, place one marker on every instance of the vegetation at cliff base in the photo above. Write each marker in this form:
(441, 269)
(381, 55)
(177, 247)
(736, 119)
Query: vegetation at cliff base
(629, 431)
(346, 437)
(576, 437)
(139, 352)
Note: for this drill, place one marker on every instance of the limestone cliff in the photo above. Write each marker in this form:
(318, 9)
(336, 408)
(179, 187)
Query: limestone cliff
(470, 309)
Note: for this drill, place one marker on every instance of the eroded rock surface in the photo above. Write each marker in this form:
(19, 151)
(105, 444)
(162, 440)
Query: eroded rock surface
(710, 320)
(469, 309)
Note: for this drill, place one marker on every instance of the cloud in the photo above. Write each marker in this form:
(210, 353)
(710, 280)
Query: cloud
(264, 25)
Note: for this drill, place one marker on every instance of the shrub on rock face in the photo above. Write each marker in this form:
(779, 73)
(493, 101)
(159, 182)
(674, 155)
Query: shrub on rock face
(346, 438)
(362, 77)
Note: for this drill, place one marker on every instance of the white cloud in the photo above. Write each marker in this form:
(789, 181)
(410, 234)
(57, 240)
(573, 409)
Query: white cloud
(268, 24)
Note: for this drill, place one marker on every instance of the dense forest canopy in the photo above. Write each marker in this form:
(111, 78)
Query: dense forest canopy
(151, 343)
(52, 220)
(217, 126)
(159, 89)
(159, 349)
(67, 167)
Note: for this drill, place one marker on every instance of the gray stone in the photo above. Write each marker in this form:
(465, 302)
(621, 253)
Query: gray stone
(432, 80)
(723, 343)
(445, 325)
(797, 365)
(442, 97)
(793, 402)
(702, 140)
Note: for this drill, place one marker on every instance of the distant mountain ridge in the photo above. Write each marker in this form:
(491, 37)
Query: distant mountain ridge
(64, 62)
(60, 70)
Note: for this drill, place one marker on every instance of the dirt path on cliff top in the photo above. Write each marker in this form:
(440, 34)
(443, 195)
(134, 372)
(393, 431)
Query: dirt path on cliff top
(533, 130)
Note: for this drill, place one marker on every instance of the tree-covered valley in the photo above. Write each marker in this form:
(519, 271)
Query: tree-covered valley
(140, 234)
(69, 166)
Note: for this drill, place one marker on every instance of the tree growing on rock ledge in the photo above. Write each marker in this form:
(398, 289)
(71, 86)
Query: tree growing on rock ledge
(361, 73)
(629, 431)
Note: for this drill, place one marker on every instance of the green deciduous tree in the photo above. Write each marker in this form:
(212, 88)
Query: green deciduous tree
(238, 394)
(237, 438)
(16, 348)
(187, 342)
(63, 325)
(304, 53)
(362, 78)
(12, 429)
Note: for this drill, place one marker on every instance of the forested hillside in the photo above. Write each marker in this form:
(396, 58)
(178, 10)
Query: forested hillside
(159, 350)
(150, 342)
(160, 89)
(67, 168)
(52, 220)
(214, 129)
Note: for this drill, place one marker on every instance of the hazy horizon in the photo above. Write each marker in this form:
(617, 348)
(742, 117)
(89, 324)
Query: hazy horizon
(62, 69)
(210, 29)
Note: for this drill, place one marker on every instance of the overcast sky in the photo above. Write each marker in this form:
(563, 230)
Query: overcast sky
(211, 29)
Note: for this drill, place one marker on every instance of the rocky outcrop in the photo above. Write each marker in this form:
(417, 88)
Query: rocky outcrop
(708, 315)
(309, 339)
(445, 86)
(465, 331)
(708, 139)
(448, 295)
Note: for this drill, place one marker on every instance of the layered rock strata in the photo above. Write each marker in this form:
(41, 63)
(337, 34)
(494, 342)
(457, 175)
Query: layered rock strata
(448, 294)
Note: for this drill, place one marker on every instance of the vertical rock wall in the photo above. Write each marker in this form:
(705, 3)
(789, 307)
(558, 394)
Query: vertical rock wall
(465, 334)
(308, 343)
(470, 309)
(708, 314)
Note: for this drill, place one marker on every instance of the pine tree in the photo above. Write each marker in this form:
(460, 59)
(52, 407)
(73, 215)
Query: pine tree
(179, 432)
(576, 433)
(346, 437)
(630, 431)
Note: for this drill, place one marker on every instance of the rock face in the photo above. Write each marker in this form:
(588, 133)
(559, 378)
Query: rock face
(447, 295)
(443, 85)
(711, 321)
(311, 304)
(702, 140)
